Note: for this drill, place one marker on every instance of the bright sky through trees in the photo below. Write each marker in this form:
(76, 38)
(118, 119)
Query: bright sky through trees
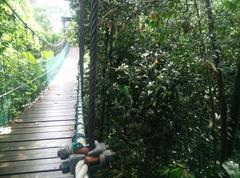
(59, 8)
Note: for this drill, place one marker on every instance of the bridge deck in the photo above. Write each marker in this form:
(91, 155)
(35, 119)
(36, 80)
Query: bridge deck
(30, 150)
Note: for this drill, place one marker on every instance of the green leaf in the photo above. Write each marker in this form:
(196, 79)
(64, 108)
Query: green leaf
(47, 54)
(231, 168)
(176, 173)
(232, 4)
(30, 58)
(164, 171)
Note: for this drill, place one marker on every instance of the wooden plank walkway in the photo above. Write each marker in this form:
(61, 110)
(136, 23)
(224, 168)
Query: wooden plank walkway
(30, 150)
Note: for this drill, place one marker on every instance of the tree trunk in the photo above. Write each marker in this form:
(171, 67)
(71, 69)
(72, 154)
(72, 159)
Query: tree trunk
(103, 97)
(235, 110)
(225, 154)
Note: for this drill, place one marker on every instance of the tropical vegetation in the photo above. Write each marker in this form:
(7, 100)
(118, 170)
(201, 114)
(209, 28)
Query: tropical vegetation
(168, 86)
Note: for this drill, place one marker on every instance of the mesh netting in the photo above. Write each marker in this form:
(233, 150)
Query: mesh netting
(4, 111)
(53, 64)
(14, 101)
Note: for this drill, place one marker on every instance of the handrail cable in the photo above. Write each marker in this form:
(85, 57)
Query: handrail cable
(24, 23)
(25, 84)
(79, 108)
(92, 75)
(34, 33)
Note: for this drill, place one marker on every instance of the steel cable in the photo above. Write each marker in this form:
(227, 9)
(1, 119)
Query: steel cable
(92, 75)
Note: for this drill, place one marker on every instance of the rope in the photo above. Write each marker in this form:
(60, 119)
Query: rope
(79, 124)
(92, 77)
(81, 170)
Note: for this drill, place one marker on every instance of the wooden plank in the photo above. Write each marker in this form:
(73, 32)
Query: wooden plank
(21, 155)
(72, 88)
(45, 118)
(71, 85)
(49, 105)
(52, 105)
(42, 129)
(31, 166)
(58, 98)
(54, 102)
(55, 98)
(56, 94)
(29, 163)
(57, 102)
(50, 112)
(35, 136)
(57, 110)
(44, 124)
(30, 145)
(60, 106)
(51, 174)
(47, 114)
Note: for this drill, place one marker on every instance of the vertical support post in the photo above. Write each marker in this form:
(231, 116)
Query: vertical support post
(92, 76)
(81, 42)
(79, 108)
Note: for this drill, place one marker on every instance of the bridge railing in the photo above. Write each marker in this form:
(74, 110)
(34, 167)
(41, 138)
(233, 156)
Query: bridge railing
(15, 99)
(24, 70)
(53, 64)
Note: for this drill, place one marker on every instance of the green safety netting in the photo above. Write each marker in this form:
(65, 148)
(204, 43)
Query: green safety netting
(17, 98)
(53, 64)
(4, 111)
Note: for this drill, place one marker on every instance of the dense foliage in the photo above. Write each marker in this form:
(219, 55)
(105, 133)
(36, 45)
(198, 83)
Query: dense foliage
(24, 49)
(168, 86)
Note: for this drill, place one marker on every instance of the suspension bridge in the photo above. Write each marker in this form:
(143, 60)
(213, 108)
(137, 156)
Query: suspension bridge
(30, 149)
(32, 145)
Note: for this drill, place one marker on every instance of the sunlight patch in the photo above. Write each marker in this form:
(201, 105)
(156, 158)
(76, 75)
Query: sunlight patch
(5, 130)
